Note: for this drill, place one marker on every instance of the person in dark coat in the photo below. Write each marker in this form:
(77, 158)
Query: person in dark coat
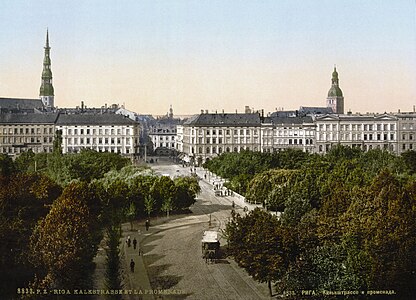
(134, 243)
(147, 224)
(132, 265)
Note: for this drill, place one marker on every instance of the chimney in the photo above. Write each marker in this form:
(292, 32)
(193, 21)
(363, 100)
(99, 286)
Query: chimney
(206, 111)
(202, 111)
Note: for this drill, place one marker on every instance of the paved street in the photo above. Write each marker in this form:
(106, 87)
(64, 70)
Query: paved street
(173, 256)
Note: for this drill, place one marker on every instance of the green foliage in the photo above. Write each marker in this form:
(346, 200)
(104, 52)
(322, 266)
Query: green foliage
(259, 244)
(351, 218)
(62, 246)
(409, 160)
(113, 272)
(7, 166)
(271, 186)
(84, 166)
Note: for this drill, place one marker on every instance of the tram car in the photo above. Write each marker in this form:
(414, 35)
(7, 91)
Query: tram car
(210, 246)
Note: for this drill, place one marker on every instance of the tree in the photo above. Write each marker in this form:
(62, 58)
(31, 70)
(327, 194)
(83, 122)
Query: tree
(131, 214)
(187, 188)
(149, 204)
(260, 245)
(7, 166)
(272, 185)
(163, 191)
(113, 272)
(62, 246)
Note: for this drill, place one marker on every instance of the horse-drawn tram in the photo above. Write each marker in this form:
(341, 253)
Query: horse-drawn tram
(210, 245)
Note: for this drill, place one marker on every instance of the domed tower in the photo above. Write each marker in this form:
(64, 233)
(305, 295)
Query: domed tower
(46, 89)
(335, 98)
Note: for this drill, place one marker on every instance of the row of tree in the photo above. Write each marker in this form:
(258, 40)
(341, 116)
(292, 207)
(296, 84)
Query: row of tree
(51, 231)
(348, 224)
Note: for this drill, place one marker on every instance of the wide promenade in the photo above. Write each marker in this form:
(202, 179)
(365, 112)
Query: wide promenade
(172, 257)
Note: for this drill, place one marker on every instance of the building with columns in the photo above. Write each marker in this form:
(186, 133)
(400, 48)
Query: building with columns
(369, 131)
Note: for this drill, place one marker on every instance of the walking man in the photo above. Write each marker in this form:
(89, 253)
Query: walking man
(147, 224)
(134, 243)
(132, 265)
(128, 241)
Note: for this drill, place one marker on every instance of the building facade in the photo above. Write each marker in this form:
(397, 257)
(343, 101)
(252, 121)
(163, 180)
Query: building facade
(406, 131)
(280, 133)
(23, 132)
(163, 134)
(205, 136)
(370, 131)
(102, 133)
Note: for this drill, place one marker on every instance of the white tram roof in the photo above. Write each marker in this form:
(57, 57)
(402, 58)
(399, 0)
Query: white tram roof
(210, 237)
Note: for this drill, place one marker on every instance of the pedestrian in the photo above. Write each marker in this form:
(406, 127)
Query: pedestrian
(147, 224)
(134, 243)
(132, 265)
(233, 204)
(128, 241)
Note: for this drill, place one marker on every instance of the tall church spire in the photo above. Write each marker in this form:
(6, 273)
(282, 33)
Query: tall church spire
(335, 99)
(46, 89)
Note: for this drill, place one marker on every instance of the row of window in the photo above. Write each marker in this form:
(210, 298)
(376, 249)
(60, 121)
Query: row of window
(21, 140)
(357, 137)
(221, 131)
(103, 149)
(358, 127)
(219, 150)
(100, 141)
(166, 138)
(172, 145)
(18, 150)
(27, 130)
(94, 131)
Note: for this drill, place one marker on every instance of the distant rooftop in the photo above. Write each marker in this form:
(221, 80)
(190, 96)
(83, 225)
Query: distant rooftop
(94, 119)
(224, 119)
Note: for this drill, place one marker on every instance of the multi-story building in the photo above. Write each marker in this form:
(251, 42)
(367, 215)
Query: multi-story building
(23, 132)
(370, 131)
(204, 136)
(162, 134)
(279, 133)
(103, 133)
(406, 131)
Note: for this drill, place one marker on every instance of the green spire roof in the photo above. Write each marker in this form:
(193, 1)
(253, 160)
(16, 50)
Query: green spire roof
(46, 88)
(335, 91)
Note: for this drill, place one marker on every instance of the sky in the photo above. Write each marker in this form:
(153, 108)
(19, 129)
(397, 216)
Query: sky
(212, 55)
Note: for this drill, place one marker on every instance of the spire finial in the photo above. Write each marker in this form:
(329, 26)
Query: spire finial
(47, 37)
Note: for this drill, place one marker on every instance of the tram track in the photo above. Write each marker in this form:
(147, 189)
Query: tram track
(225, 280)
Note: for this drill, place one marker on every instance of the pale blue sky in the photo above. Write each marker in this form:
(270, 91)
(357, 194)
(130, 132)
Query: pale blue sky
(212, 54)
